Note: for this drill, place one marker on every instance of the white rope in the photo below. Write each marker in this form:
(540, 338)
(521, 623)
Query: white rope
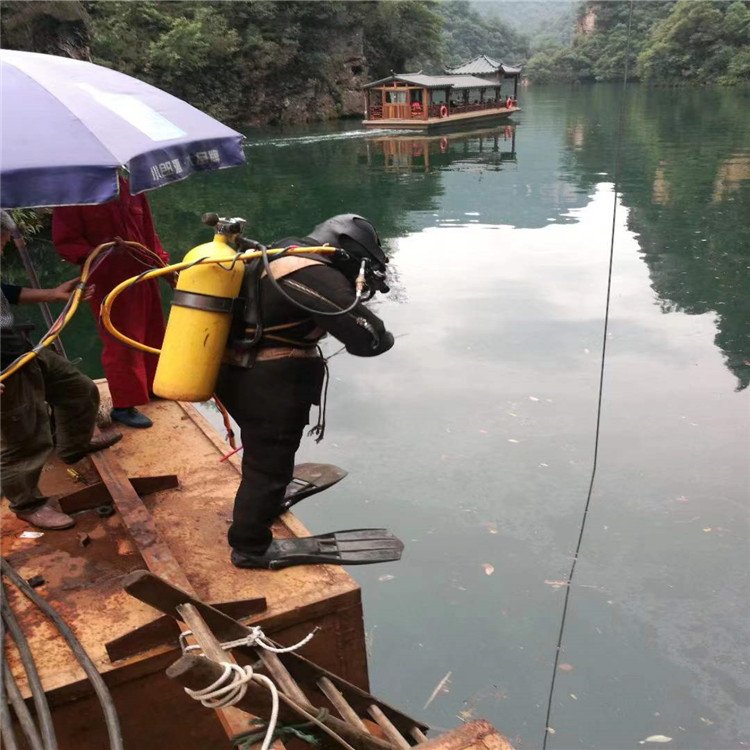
(222, 694)
(232, 684)
(256, 637)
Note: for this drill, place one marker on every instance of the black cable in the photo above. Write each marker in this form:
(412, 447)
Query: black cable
(100, 688)
(22, 712)
(615, 177)
(267, 267)
(46, 727)
(6, 726)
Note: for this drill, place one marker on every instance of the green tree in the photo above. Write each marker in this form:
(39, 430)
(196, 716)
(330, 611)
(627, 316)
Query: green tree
(400, 33)
(701, 41)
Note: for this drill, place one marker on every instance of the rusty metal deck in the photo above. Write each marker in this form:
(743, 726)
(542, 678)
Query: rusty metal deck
(83, 579)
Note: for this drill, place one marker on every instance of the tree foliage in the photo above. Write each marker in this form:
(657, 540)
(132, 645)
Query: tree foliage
(467, 34)
(703, 41)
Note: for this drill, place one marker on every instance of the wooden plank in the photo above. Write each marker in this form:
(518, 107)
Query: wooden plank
(97, 494)
(153, 549)
(393, 735)
(476, 735)
(137, 519)
(339, 702)
(165, 630)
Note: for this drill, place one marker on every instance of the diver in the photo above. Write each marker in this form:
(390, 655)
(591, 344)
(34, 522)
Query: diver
(273, 373)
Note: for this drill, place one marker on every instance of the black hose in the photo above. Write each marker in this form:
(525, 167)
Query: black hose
(311, 310)
(100, 688)
(49, 740)
(22, 712)
(6, 727)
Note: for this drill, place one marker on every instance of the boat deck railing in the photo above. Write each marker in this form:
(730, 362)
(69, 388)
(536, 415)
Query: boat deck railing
(441, 110)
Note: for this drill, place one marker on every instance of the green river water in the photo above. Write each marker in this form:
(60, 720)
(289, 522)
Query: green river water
(473, 438)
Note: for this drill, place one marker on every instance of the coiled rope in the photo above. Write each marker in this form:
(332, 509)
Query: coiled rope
(232, 684)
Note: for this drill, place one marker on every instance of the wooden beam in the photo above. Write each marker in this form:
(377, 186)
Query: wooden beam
(153, 549)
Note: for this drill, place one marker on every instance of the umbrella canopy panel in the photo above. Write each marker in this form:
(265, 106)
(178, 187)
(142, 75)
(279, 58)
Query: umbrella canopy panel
(68, 126)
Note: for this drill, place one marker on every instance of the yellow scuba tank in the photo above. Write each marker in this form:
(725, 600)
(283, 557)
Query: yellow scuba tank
(200, 319)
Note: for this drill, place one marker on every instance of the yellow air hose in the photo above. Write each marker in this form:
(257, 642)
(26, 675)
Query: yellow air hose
(74, 301)
(71, 306)
(109, 300)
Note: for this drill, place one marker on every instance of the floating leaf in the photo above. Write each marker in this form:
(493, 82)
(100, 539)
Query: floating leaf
(488, 569)
(655, 738)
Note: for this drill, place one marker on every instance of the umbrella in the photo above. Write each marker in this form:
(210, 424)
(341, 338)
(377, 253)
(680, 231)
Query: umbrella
(67, 126)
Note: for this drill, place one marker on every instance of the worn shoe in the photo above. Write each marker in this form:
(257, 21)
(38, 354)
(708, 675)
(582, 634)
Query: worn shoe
(97, 444)
(46, 517)
(131, 417)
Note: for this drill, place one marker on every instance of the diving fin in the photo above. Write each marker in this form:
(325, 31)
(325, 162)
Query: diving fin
(309, 479)
(349, 547)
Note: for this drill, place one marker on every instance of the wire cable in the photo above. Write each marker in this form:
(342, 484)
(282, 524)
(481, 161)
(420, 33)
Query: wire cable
(98, 684)
(7, 734)
(23, 714)
(571, 573)
(46, 727)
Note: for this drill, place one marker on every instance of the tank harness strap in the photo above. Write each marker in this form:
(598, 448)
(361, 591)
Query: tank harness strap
(207, 302)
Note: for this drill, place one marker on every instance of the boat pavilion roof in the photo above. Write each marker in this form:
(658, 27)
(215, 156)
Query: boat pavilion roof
(483, 65)
(435, 82)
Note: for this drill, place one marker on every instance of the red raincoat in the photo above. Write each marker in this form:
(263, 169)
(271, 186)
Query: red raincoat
(76, 231)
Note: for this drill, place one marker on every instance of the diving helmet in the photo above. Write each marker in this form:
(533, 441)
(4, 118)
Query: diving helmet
(358, 238)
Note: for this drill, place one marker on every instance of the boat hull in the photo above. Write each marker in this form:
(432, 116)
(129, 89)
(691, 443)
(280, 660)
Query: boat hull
(443, 123)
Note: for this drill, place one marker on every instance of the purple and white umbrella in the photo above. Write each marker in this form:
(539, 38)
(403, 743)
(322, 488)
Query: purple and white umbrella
(67, 126)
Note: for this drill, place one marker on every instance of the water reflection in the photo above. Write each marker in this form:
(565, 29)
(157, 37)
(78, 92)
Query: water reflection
(488, 147)
(686, 179)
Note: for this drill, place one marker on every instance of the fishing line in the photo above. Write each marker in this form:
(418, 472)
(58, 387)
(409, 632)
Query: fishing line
(615, 179)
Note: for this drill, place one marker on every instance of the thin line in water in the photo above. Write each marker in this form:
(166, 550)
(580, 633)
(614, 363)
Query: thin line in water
(616, 178)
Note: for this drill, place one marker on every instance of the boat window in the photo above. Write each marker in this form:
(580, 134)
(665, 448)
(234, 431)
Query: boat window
(397, 97)
(437, 96)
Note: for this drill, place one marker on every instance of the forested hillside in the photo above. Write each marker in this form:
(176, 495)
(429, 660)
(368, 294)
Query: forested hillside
(545, 23)
(682, 41)
(261, 61)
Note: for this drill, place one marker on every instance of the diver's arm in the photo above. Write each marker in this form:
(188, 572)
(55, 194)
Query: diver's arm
(322, 287)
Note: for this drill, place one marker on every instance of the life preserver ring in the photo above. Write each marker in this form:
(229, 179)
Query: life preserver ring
(443, 110)
(508, 103)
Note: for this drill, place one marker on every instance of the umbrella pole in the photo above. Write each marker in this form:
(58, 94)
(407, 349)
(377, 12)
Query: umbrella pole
(34, 279)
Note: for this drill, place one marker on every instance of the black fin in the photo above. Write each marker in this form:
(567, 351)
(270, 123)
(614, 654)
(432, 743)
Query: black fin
(346, 547)
(308, 480)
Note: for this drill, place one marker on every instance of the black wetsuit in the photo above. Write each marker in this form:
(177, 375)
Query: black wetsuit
(270, 399)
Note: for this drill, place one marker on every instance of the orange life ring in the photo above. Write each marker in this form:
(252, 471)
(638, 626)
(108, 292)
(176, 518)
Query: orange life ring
(508, 103)
(443, 110)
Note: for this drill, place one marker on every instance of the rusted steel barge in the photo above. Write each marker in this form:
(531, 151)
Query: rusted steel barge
(152, 514)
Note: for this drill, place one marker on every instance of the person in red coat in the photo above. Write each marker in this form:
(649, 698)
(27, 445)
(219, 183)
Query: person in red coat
(76, 231)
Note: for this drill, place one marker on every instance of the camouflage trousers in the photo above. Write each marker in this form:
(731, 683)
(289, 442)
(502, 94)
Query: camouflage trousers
(26, 440)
